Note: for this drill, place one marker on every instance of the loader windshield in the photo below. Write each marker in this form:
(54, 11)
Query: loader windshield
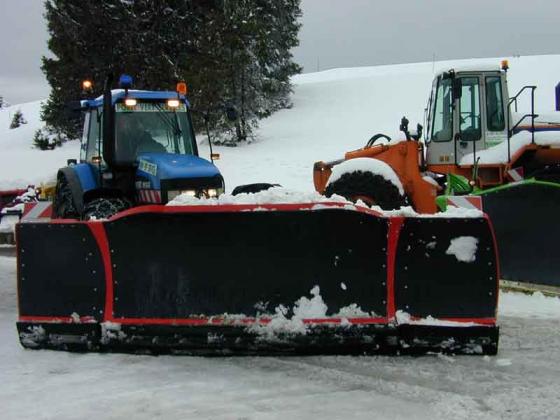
(152, 127)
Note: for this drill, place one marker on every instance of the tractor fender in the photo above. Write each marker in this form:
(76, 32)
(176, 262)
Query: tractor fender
(75, 186)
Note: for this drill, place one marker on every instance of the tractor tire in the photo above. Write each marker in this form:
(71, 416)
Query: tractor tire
(63, 203)
(104, 208)
(374, 189)
(252, 188)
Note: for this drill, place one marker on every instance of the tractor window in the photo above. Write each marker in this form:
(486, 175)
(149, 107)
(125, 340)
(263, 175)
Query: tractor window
(442, 128)
(93, 136)
(152, 127)
(494, 104)
(469, 109)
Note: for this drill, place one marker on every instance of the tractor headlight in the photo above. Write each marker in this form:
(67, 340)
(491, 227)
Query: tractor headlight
(171, 195)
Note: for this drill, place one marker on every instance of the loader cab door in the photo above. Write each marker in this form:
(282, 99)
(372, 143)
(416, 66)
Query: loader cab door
(439, 135)
(468, 124)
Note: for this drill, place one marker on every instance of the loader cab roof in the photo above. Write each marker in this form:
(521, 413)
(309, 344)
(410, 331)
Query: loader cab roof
(120, 94)
(470, 68)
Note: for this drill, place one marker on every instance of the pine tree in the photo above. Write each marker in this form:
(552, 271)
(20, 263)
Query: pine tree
(233, 52)
(17, 119)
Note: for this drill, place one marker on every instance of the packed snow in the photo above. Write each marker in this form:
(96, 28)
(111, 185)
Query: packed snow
(521, 382)
(20, 163)
(375, 166)
(463, 248)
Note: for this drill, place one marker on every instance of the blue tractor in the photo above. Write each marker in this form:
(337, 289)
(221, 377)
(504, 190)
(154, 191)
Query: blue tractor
(138, 148)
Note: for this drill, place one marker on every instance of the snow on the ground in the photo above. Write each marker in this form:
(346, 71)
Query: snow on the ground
(20, 163)
(520, 383)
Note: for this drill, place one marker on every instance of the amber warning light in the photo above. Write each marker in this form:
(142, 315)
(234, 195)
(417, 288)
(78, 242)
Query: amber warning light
(87, 85)
(182, 88)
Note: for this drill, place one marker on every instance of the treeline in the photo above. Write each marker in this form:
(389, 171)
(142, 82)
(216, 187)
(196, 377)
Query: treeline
(230, 52)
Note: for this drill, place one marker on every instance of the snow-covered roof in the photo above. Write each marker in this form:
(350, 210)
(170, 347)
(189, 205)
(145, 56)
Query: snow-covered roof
(136, 94)
(471, 68)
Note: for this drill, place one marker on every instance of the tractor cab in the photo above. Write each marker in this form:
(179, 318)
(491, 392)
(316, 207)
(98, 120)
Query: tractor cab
(144, 122)
(138, 147)
(468, 112)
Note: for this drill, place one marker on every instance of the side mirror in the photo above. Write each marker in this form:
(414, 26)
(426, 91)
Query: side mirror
(75, 108)
(231, 113)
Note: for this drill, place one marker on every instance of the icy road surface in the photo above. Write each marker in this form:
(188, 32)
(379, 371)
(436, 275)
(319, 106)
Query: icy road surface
(523, 381)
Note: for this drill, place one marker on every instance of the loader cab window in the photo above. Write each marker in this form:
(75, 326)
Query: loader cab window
(442, 126)
(469, 109)
(494, 104)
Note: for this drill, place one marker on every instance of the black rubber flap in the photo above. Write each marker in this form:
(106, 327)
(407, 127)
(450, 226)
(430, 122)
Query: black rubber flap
(187, 264)
(525, 219)
(430, 277)
(60, 271)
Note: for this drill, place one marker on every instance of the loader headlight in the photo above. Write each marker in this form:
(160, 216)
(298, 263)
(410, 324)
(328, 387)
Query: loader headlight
(173, 103)
(130, 102)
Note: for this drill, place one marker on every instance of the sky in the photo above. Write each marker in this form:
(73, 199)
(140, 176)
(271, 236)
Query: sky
(335, 33)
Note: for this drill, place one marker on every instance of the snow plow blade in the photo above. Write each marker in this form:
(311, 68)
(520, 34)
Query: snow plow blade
(325, 278)
(525, 219)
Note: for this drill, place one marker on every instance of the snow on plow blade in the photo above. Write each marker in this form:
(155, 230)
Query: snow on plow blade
(267, 279)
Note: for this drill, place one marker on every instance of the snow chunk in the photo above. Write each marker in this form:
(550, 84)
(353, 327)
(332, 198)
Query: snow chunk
(352, 311)
(464, 248)
(403, 317)
(374, 166)
(311, 308)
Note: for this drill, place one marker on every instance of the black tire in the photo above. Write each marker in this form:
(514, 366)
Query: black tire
(64, 206)
(104, 208)
(252, 188)
(375, 188)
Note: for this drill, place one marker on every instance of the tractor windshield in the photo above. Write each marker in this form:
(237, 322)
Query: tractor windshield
(151, 127)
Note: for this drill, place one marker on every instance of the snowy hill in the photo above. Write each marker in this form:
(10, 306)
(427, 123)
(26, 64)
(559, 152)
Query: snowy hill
(334, 111)
(20, 163)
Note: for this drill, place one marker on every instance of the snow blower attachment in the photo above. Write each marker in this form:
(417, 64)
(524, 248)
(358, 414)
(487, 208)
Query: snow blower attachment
(311, 278)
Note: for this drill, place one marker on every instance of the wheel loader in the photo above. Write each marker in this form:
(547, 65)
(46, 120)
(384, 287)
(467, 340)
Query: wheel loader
(477, 152)
(220, 277)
